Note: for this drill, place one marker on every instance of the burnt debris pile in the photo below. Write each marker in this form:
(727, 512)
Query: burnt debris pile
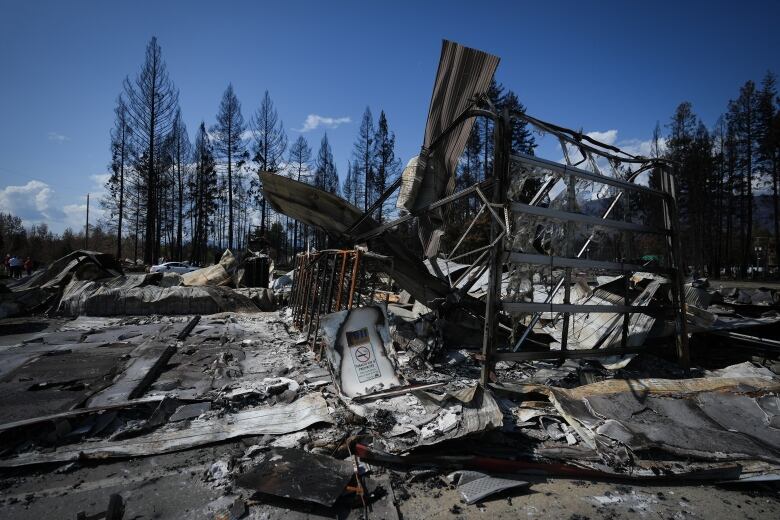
(555, 334)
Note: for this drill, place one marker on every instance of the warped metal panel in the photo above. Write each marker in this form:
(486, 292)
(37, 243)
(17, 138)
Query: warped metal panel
(310, 205)
(715, 418)
(463, 74)
(272, 420)
(333, 214)
(300, 475)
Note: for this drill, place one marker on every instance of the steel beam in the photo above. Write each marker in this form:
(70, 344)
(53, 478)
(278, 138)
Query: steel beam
(584, 174)
(517, 307)
(581, 263)
(538, 211)
(565, 354)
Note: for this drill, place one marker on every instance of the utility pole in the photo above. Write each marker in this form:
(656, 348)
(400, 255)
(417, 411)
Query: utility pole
(86, 228)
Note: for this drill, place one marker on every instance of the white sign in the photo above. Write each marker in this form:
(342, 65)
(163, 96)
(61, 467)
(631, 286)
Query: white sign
(363, 355)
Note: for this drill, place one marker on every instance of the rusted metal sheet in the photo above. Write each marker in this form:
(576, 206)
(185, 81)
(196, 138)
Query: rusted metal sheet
(324, 282)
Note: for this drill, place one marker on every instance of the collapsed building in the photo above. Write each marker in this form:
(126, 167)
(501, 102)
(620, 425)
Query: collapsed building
(556, 345)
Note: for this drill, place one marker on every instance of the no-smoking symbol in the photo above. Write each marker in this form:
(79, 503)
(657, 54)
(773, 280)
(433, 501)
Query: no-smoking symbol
(362, 354)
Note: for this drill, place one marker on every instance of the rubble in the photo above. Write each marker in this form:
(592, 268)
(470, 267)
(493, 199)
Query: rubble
(258, 382)
(475, 486)
(218, 274)
(296, 474)
(41, 290)
(85, 283)
(327, 391)
(284, 419)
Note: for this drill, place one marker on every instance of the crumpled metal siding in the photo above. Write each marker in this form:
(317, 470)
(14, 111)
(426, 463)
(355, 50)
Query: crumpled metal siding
(463, 73)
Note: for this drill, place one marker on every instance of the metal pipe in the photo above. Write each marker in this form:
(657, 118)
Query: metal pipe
(563, 169)
(341, 280)
(353, 282)
(430, 207)
(490, 208)
(389, 191)
(463, 236)
(502, 134)
(331, 282)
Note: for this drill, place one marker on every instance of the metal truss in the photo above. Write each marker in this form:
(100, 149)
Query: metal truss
(586, 161)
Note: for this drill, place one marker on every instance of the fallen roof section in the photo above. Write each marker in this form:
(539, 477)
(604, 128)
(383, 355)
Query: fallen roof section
(333, 214)
(275, 420)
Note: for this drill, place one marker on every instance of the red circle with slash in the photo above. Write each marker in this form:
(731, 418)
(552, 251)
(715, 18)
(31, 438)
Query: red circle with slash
(362, 354)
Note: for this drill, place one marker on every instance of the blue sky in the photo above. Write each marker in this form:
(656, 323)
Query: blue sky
(609, 67)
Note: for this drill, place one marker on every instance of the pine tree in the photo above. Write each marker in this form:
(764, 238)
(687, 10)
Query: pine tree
(357, 186)
(346, 188)
(229, 145)
(769, 146)
(656, 142)
(700, 197)
(270, 145)
(299, 165)
(522, 138)
(325, 174)
(121, 151)
(386, 164)
(495, 94)
(744, 120)
(325, 177)
(363, 166)
(181, 150)
(152, 101)
(682, 128)
(203, 190)
(719, 195)
(164, 190)
(657, 151)
(470, 167)
(299, 158)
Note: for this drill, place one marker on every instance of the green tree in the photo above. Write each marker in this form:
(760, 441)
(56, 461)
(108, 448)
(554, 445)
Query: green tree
(522, 138)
